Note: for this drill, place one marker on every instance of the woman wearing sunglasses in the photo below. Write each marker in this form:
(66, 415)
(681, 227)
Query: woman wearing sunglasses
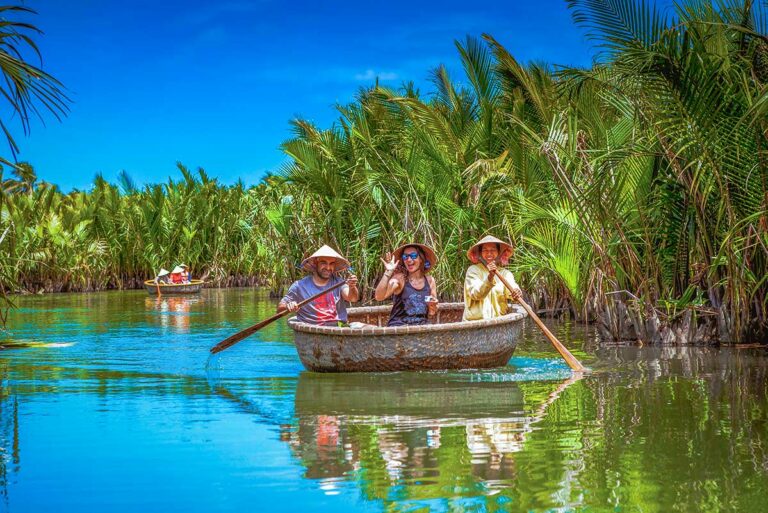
(413, 291)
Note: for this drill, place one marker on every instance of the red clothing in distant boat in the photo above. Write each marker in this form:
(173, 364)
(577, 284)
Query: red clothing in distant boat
(176, 278)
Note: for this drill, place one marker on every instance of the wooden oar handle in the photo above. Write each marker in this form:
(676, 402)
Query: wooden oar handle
(247, 332)
(571, 360)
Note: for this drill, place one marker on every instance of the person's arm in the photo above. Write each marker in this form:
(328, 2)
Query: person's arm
(389, 286)
(291, 300)
(476, 285)
(390, 283)
(350, 292)
(432, 305)
(515, 293)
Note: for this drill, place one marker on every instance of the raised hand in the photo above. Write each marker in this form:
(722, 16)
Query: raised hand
(390, 264)
(352, 281)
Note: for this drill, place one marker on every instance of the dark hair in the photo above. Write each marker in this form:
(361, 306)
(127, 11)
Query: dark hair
(404, 270)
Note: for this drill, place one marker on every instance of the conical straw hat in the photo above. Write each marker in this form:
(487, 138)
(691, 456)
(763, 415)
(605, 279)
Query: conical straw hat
(505, 249)
(184, 266)
(326, 251)
(177, 269)
(429, 254)
(162, 272)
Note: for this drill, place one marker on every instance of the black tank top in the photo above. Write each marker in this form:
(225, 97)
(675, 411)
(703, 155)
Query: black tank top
(409, 307)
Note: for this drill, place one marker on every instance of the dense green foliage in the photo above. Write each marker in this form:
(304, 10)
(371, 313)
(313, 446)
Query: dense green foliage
(635, 191)
(26, 91)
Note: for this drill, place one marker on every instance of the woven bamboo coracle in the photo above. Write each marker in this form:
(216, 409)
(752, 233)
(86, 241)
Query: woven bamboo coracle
(449, 343)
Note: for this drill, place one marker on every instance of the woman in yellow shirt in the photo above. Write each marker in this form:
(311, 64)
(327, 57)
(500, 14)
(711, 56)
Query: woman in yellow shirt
(485, 297)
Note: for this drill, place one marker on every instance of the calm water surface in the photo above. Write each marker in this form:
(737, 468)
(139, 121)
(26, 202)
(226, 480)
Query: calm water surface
(112, 407)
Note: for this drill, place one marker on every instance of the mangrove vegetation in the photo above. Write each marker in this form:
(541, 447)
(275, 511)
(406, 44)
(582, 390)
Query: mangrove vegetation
(636, 191)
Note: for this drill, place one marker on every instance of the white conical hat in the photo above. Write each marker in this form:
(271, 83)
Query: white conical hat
(162, 272)
(326, 251)
(184, 266)
(505, 249)
(177, 269)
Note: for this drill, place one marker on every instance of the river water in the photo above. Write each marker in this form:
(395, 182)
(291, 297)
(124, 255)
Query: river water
(112, 404)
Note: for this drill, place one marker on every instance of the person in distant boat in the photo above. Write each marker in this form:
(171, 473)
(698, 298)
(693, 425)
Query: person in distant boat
(162, 276)
(485, 297)
(405, 280)
(185, 276)
(331, 308)
(176, 277)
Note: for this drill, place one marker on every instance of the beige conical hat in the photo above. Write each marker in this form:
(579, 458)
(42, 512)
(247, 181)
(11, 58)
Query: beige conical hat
(184, 266)
(506, 249)
(163, 272)
(177, 269)
(326, 251)
(429, 254)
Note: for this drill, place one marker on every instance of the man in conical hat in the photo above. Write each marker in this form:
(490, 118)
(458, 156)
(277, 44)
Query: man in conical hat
(331, 308)
(162, 276)
(485, 297)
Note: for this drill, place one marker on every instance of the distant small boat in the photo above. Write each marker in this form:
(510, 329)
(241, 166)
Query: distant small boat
(192, 287)
(449, 344)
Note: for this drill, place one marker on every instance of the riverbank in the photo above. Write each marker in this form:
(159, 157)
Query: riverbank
(632, 322)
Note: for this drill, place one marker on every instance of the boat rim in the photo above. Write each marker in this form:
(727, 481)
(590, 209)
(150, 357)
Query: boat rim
(517, 314)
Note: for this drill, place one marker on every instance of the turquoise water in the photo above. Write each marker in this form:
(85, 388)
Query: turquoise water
(111, 404)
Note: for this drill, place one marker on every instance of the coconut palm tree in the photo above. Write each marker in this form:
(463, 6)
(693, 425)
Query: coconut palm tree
(25, 88)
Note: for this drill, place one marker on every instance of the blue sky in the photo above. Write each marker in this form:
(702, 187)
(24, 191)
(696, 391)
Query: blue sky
(214, 84)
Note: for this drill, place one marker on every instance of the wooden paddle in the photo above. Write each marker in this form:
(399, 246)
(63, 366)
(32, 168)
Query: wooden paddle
(571, 360)
(247, 332)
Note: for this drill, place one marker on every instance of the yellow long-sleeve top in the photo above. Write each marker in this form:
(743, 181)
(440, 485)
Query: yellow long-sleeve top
(483, 300)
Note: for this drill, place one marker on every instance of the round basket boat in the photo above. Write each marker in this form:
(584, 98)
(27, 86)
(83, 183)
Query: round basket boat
(192, 287)
(450, 343)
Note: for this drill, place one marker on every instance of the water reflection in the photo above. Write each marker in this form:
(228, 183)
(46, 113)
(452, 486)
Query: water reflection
(677, 428)
(651, 429)
(174, 310)
(412, 429)
(9, 435)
